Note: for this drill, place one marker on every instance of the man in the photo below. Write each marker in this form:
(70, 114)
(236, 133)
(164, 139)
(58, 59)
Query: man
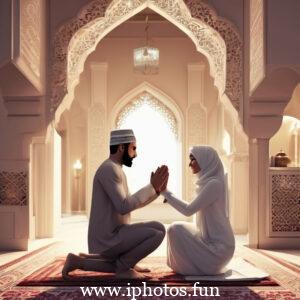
(115, 244)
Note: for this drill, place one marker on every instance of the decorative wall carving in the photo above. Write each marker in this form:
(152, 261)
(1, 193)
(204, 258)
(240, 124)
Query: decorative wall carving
(62, 38)
(257, 63)
(147, 98)
(30, 32)
(234, 47)
(76, 39)
(13, 188)
(285, 203)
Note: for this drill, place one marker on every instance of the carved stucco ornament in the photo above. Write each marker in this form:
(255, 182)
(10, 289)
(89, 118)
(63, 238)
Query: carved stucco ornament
(61, 41)
(148, 99)
(285, 209)
(13, 188)
(75, 40)
(234, 47)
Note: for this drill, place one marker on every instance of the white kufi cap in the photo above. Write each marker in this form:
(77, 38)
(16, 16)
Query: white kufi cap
(121, 136)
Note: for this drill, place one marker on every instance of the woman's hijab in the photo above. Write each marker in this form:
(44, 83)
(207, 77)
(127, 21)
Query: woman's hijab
(209, 163)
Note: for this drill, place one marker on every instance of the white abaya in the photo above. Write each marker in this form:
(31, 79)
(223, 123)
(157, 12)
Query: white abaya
(206, 247)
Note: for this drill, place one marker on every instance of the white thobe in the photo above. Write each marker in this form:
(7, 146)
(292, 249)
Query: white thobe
(111, 206)
(204, 248)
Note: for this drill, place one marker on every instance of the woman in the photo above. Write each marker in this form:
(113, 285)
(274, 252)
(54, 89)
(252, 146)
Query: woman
(204, 248)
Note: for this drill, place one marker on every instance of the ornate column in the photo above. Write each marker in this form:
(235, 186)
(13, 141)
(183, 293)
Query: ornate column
(196, 118)
(36, 186)
(258, 191)
(97, 141)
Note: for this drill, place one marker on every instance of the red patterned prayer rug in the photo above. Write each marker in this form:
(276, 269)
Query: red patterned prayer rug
(23, 270)
(226, 293)
(50, 275)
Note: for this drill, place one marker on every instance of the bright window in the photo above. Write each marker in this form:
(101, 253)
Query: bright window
(157, 144)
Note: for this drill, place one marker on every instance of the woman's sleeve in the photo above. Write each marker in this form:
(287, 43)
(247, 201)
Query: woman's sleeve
(207, 196)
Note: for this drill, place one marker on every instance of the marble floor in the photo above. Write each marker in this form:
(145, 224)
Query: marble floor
(73, 233)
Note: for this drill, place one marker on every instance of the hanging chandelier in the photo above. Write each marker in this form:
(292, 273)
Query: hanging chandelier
(146, 59)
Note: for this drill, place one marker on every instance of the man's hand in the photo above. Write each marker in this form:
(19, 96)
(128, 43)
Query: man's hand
(159, 179)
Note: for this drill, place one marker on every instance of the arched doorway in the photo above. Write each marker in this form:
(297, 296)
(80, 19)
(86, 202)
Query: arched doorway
(196, 112)
(215, 37)
(159, 141)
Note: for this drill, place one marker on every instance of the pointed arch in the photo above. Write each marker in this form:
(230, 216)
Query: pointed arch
(153, 114)
(75, 40)
(156, 93)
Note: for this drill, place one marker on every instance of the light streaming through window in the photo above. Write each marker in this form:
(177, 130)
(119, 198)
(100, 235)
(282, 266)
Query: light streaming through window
(156, 145)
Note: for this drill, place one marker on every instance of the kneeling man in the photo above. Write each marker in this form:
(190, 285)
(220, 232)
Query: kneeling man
(115, 244)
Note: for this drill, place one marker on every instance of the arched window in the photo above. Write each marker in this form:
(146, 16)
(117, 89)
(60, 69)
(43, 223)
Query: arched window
(156, 130)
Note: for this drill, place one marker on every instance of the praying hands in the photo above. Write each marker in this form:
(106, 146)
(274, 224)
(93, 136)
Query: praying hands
(159, 179)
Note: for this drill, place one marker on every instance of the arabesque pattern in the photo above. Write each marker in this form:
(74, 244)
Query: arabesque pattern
(62, 38)
(234, 47)
(74, 41)
(13, 188)
(30, 42)
(285, 203)
(146, 98)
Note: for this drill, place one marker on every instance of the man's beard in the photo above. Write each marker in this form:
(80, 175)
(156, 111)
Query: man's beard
(126, 159)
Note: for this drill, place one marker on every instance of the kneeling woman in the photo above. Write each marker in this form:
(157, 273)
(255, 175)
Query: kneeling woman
(204, 248)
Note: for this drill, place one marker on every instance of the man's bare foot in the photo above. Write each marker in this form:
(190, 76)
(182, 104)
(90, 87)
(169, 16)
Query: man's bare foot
(72, 263)
(130, 274)
(141, 269)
